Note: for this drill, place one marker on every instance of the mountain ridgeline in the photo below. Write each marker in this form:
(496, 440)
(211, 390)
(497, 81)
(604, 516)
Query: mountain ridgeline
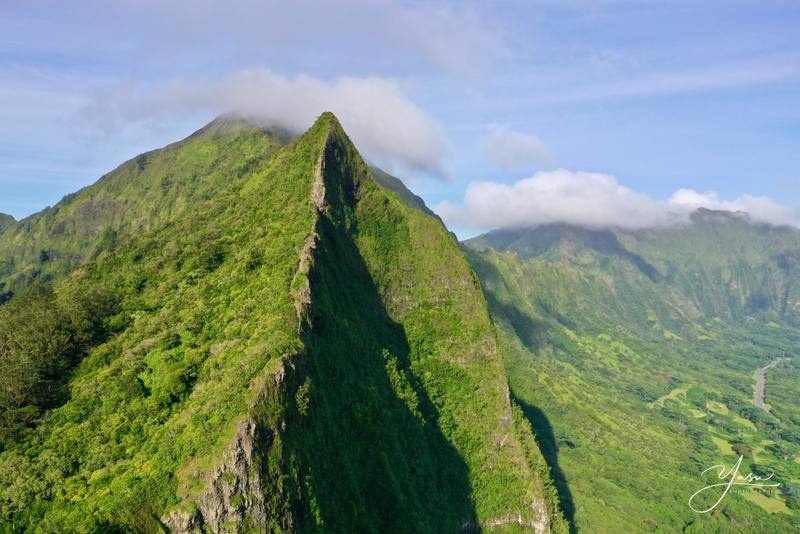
(720, 264)
(140, 195)
(635, 355)
(247, 332)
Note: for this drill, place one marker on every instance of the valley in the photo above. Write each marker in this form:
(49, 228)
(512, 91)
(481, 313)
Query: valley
(638, 389)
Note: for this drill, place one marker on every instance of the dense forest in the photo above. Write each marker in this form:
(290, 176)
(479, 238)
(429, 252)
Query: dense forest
(301, 349)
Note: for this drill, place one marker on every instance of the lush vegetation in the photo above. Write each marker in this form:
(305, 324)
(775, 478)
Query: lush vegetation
(6, 221)
(140, 195)
(633, 354)
(170, 382)
(250, 352)
(42, 338)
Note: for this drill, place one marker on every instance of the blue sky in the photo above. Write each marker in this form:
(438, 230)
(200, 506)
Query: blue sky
(497, 113)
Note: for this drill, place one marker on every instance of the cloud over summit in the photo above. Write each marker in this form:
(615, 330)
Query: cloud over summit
(594, 200)
(377, 114)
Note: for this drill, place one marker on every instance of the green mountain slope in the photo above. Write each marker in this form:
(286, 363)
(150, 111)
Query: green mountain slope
(634, 356)
(6, 222)
(141, 194)
(298, 351)
(719, 265)
(396, 186)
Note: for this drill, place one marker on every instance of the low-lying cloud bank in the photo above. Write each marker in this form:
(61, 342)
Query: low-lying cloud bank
(594, 200)
(381, 119)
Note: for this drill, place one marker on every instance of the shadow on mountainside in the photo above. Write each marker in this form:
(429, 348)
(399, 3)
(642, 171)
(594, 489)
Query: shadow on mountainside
(542, 241)
(549, 447)
(528, 331)
(526, 328)
(605, 242)
(364, 441)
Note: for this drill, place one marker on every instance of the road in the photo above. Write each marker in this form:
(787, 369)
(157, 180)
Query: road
(761, 381)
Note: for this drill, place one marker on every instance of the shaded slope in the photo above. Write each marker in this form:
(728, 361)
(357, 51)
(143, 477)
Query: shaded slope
(304, 353)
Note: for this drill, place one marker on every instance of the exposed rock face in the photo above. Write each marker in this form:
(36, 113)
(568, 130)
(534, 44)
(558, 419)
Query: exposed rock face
(242, 494)
(540, 525)
(233, 494)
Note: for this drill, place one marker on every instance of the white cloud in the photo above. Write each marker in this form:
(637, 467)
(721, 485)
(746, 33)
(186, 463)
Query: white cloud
(594, 200)
(583, 198)
(382, 121)
(759, 208)
(514, 151)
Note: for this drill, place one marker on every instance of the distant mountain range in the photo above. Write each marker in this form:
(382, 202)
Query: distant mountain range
(634, 354)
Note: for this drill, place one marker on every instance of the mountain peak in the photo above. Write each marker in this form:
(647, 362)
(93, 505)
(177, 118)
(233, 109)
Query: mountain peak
(345, 327)
(233, 122)
(327, 117)
(329, 127)
(706, 215)
(340, 170)
(227, 122)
